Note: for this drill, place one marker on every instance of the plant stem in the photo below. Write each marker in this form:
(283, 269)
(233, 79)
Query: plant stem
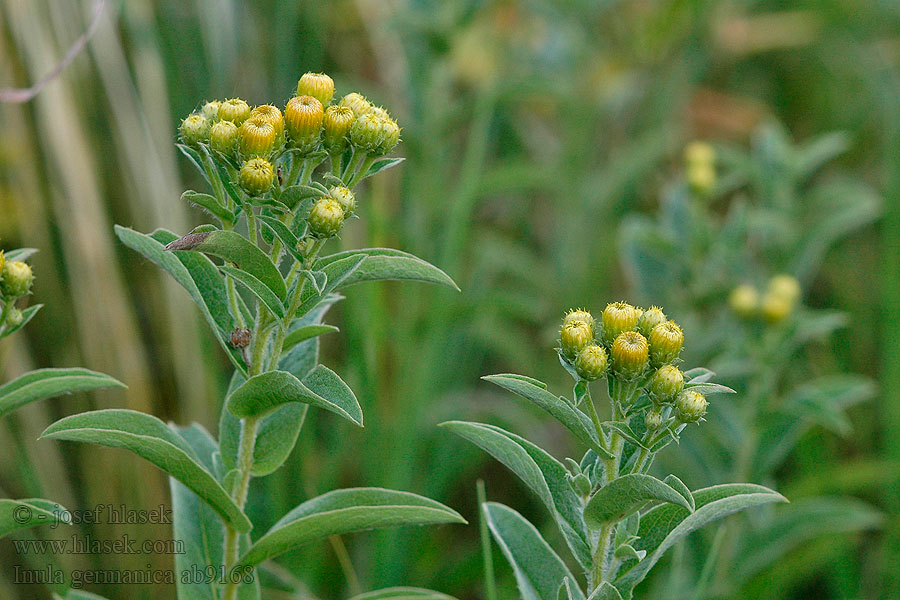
(601, 554)
(490, 584)
(362, 171)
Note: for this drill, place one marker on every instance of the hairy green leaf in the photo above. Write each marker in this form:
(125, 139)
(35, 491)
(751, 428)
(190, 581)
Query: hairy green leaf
(626, 494)
(262, 292)
(21, 514)
(383, 264)
(47, 383)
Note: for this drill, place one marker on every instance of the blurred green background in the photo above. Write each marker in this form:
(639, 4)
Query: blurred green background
(531, 128)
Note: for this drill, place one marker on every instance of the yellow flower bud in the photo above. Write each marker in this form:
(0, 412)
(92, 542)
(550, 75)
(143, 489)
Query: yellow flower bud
(699, 153)
(653, 420)
(345, 198)
(649, 319)
(391, 136)
(629, 354)
(776, 308)
(210, 110)
(666, 340)
(223, 137)
(257, 175)
(690, 406)
(357, 103)
(574, 337)
(617, 318)
(235, 110)
(744, 301)
(257, 138)
(325, 218)
(702, 178)
(336, 126)
(785, 286)
(194, 129)
(318, 85)
(590, 364)
(303, 117)
(666, 383)
(16, 279)
(580, 315)
(368, 132)
(270, 114)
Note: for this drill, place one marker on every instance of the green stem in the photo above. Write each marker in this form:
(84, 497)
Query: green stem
(336, 160)
(362, 171)
(600, 560)
(355, 157)
(251, 224)
(490, 583)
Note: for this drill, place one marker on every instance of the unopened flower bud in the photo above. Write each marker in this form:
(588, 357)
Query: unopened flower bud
(690, 406)
(257, 175)
(618, 318)
(653, 420)
(391, 136)
(666, 383)
(744, 300)
(318, 85)
(223, 137)
(345, 198)
(702, 178)
(776, 308)
(649, 319)
(629, 354)
(14, 318)
(574, 337)
(666, 340)
(336, 127)
(785, 286)
(699, 153)
(580, 315)
(235, 110)
(368, 133)
(272, 115)
(210, 110)
(357, 103)
(194, 129)
(16, 279)
(325, 218)
(303, 119)
(256, 138)
(590, 364)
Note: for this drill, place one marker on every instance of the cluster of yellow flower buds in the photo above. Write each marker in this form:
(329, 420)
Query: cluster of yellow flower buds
(309, 123)
(700, 167)
(636, 346)
(16, 278)
(780, 300)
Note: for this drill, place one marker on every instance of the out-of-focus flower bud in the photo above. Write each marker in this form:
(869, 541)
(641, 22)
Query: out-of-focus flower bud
(357, 103)
(2, 263)
(618, 318)
(690, 406)
(325, 218)
(629, 354)
(744, 301)
(345, 198)
(785, 286)
(574, 337)
(649, 319)
(14, 317)
(666, 340)
(257, 138)
(257, 175)
(702, 178)
(590, 364)
(194, 129)
(699, 153)
(210, 110)
(16, 280)
(303, 117)
(336, 127)
(776, 308)
(235, 110)
(318, 85)
(223, 137)
(666, 383)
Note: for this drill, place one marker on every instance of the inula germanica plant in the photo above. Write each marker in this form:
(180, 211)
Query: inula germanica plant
(616, 519)
(265, 300)
(16, 278)
(735, 245)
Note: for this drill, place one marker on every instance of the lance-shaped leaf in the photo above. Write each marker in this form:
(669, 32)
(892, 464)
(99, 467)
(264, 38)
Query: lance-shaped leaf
(403, 593)
(626, 494)
(284, 234)
(47, 383)
(573, 419)
(383, 164)
(301, 334)
(605, 591)
(664, 525)
(237, 249)
(335, 273)
(152, 440)
(21, 514)
(211, 205)
(322, 388)
(262, 292)
(542, 473)
(387, 264)
(196, 274)
(20, 254)
(344, 511)
(538, 569)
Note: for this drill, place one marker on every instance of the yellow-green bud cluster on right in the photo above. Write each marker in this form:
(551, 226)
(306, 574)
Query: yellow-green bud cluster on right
(777, 303)
(700, 163)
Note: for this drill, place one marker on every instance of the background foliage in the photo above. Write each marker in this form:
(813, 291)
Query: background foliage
(531, 129)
